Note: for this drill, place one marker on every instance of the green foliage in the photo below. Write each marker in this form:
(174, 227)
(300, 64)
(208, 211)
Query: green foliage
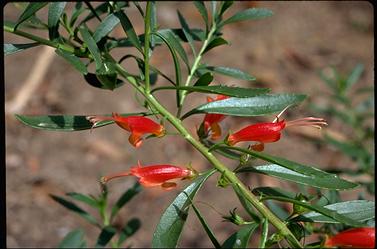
(169, 229)
(81, 46)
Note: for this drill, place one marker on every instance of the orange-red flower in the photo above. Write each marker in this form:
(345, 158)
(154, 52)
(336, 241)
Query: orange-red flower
(270, 132)
(137, 125)
(361, 237)
(155, 175)
(211, 121)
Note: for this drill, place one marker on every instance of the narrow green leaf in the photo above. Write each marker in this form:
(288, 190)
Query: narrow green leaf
(129, 29)
(241, 238)
(260, 105)
(73, 60)
(74, 239)
(102, 9)
(105, 27)
(126, 197)
(206, 227)
(218, 41)
(186, 31)
(10, 48)
(103, 81)
(222, 151)
(29, 11)
(322, 179)
(204, 80)
(249, 14)
(224, 6)
(105, 236)
(73, 207)
(360, 210)
(354, 76)
(203, 11)
(128, 230)
(55, 10)
(171, 224)
(177, 66)
(92, 46)
(77, 11)
(310, 206)
(272, 191)
(83, 198)
(232, 72)
(246, 204)
(264, 235)
(64, 122)
(197, 35)
(176, 45)
(283, 173)
(220, 89)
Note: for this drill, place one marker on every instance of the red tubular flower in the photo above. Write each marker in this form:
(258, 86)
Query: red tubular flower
(211, 121)
(362, 237)
(137, 125)
(155, 175)
(270, 132)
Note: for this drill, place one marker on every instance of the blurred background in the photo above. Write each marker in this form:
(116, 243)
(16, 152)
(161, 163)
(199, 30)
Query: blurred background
(285, 52)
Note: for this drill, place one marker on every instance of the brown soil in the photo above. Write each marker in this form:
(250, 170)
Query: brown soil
(283, 52)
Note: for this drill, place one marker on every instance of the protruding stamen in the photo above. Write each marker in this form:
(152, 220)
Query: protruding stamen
(96, 119)
(308, 121)
(281, 113)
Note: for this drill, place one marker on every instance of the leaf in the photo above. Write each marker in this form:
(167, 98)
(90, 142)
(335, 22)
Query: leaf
(360, 210)
(264, 234)
(322, 178)
(92, 46)
(222, 151)
(208, 230)
(249, 14)
(109, 82)
(310, 206)
(176, 45)
(129, 29)
(10, 48)
(232, 72)
(105, 236)
(73, 60)
(83, 198)
(177, 66)
(241, 238)
(224, 6)
(171, 224)
(220, 89)
(73, 207)
(255, 106)
(215, 43)
(63, 122)
(74, 239)
(128, 230)
(204, 80)
(126, 197)
(283, 173)
(186, 31)
(55, 10)
(203, 11)
(245, 203)
(354, 76)
(105, 27)
(29, 11)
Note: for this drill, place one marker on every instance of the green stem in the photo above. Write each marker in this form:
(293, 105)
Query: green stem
(39, 39)
(146, 45)
(177, 123)
(195, 66)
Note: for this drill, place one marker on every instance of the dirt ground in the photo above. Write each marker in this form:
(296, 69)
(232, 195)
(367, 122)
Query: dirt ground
(284, 52)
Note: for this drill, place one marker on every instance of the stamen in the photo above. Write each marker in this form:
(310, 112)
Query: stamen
(96, 119)
(105, 179)
(308, 121)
